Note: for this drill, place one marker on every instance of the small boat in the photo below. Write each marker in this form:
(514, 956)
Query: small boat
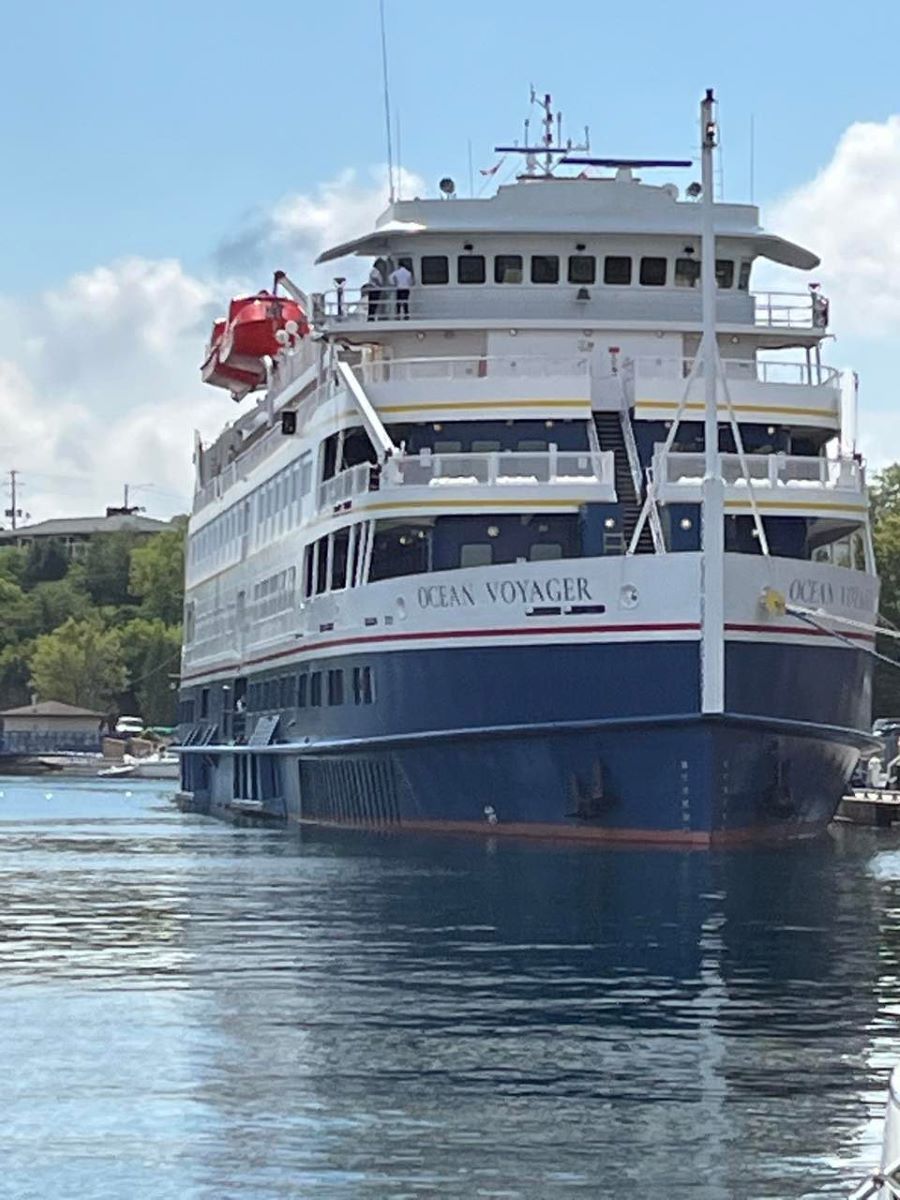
(153, 766)
(884, 1184)
(240, 342)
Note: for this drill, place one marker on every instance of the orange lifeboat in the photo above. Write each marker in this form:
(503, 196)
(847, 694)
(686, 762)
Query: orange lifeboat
(240, 341)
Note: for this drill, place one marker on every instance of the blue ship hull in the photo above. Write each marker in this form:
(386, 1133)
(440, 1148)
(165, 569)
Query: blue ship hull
(588, 741)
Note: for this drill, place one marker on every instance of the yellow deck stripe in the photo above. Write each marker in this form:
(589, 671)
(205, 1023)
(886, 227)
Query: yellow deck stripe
(446, 406)
(796, 504)
(673, 405)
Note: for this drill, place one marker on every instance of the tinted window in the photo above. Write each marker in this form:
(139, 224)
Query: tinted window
(582, 268)
(435, 268)
(508, 268)
(687, 272)
(653, 272)
(340, 542)
(335, 687)
(544, 268)
(302, 688)
(476, 554)
(724, 273)
(470, 268)
(744, 276)
(616, 269)
(315, 689)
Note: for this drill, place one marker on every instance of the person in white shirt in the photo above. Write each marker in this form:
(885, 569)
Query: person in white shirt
(401, 280)
(373, 290)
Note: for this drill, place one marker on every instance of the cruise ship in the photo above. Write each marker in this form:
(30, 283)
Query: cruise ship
(554, 535)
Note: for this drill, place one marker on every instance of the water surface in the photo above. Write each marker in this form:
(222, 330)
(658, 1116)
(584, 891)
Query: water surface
(190, 1010)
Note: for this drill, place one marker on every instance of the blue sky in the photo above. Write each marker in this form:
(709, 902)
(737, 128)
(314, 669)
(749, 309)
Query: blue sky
(159, 131)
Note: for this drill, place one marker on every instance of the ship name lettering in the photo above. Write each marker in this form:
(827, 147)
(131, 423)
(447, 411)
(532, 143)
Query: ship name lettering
(811, 591)
(446, 595)
(533, 591)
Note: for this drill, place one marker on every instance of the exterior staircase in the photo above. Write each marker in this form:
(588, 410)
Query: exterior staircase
(609, 431)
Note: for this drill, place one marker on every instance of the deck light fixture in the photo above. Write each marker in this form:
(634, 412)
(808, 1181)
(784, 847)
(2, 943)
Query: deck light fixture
(583, 294)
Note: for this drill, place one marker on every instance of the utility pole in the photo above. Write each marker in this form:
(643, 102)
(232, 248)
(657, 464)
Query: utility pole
(13, 512)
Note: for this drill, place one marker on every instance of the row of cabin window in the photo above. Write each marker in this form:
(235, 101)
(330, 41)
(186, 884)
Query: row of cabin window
(328, 564)
(261, 510)
(312, 689)
(618, 270)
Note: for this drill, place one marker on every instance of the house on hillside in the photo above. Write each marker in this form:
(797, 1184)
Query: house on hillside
(75, 533)
(49, 727)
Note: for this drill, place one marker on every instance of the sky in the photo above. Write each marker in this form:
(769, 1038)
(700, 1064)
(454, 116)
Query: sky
(162, 157)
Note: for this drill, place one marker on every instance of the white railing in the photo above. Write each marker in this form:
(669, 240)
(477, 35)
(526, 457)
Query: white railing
(344, 485)
(780, 310)
(791, 310)
(497, 469)
(402, 370)
(764, 471)
(750, 370)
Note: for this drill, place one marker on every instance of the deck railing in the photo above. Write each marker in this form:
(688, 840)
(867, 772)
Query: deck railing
(764, 471)
(758, 370)
(778, 310)
(494, 470)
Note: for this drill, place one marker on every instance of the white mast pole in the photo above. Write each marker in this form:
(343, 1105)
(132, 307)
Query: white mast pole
(712, 624)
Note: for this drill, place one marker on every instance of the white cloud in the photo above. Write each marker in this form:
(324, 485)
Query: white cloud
(296, 229)
(850, 215)
(99, 377)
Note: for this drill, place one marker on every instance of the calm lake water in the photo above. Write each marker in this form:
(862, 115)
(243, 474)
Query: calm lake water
(189, 1010)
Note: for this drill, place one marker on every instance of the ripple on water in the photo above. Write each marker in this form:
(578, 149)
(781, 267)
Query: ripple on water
(191, 1010)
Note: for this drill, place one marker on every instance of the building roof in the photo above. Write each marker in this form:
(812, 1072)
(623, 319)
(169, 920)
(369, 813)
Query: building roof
(84, 527)
(50, 708)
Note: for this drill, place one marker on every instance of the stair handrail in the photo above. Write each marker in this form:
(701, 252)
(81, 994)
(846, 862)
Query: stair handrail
(634, 465)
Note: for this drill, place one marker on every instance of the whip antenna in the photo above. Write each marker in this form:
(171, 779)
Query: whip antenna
(387, 104)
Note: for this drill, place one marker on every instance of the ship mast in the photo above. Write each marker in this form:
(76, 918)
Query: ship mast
(712, 621)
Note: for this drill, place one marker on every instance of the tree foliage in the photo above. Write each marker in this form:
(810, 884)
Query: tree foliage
(152, 652)
(45, 560)
(107, 566)
(80, 663)
(157, 575)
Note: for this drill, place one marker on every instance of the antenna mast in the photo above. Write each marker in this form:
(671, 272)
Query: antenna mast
(387, 104)
(712, 614)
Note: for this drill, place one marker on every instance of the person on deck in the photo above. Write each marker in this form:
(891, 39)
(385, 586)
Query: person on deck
(373, 290)
(401, 280)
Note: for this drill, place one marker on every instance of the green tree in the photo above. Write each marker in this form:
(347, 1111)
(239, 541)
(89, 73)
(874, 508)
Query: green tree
(13, 560)
(152, 654)
(884, 493)
(46, 559)
(15, 613)
(106, 568)
(14, 675)
(157, 574)
(79, 663)
(54, 602)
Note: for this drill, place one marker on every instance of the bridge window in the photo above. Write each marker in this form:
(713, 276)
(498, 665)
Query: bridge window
(435, 268)
(687, 272)
(302, 689)
(508, 268)
(545, 268)
(340, 545)
(315, 689)
(470, 268)
(582, 268)
(616, 269)
(724, 273)
(744, 276)
(399, 549)
(653, 272)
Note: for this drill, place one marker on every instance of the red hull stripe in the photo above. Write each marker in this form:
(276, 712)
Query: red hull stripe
(697, 839)
(803, 630)
(527, 631)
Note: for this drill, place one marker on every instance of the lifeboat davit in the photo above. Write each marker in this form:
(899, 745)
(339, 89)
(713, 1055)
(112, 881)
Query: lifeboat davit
(240, 341)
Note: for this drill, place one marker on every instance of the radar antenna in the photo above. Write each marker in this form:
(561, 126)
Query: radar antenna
(552, 154)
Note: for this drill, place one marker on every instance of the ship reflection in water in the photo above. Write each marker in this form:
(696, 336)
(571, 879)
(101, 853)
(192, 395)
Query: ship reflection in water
(191, 1010)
